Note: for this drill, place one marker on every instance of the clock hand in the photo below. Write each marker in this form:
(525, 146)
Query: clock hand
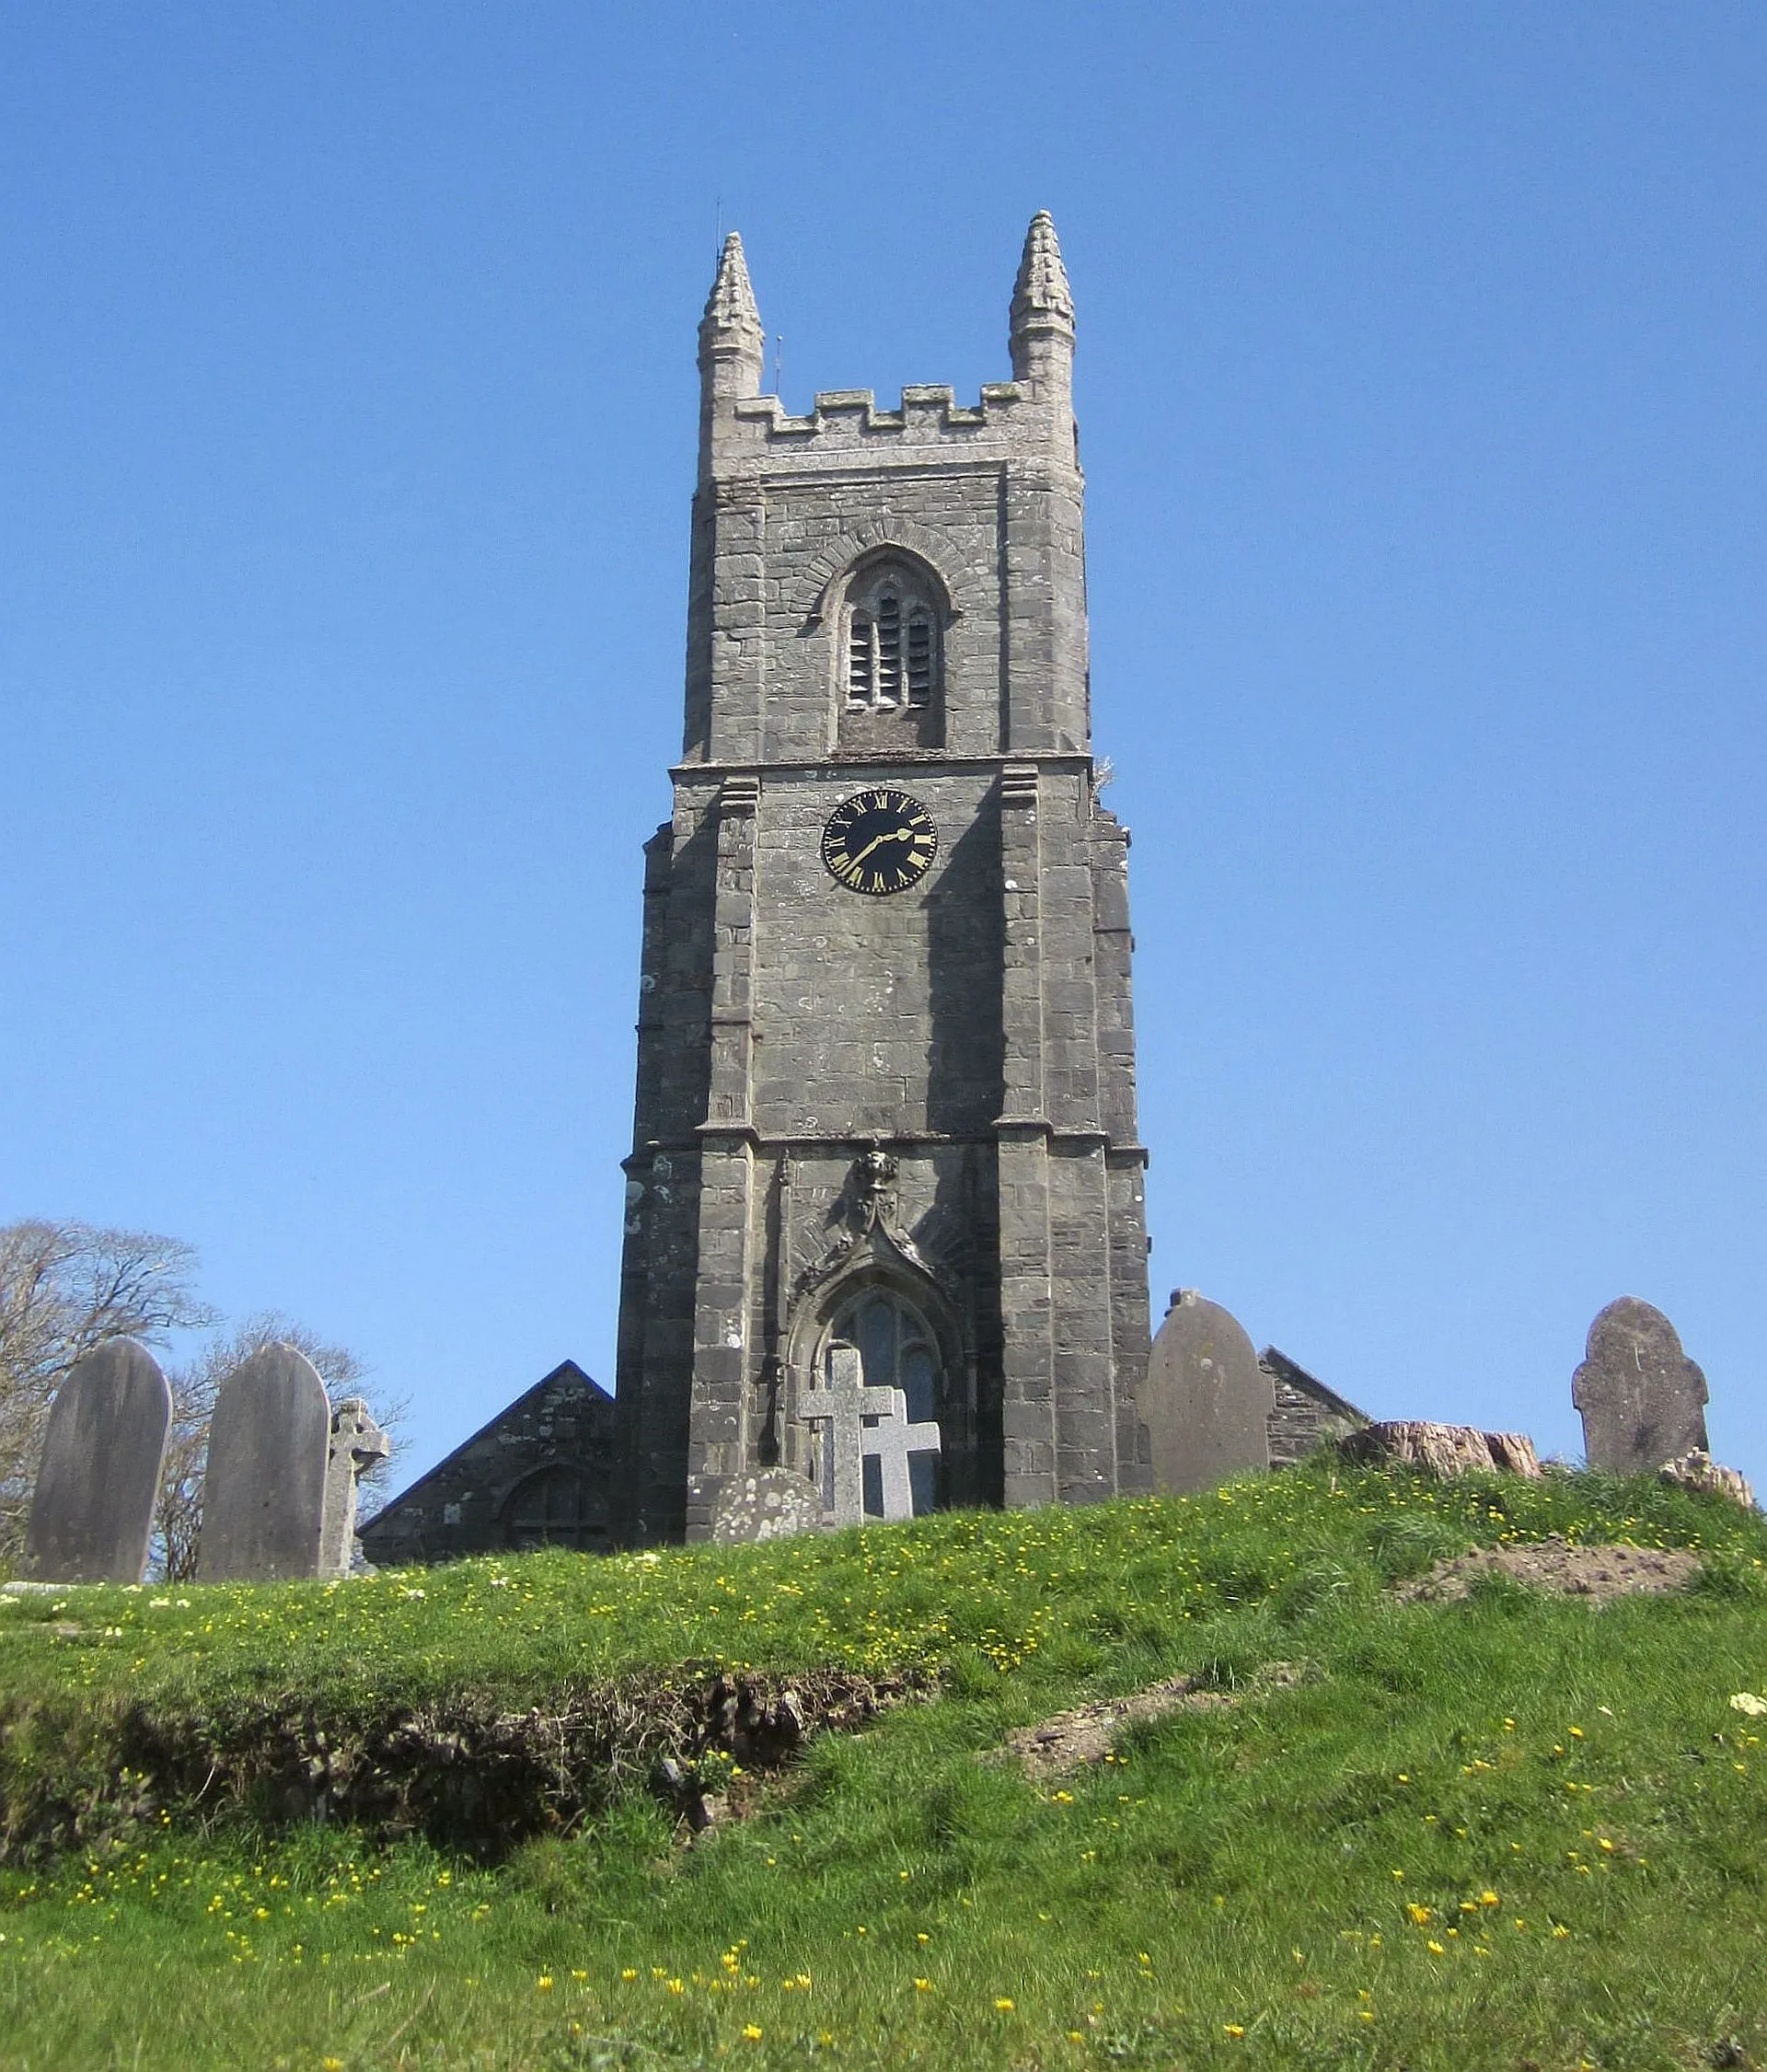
(894, 834)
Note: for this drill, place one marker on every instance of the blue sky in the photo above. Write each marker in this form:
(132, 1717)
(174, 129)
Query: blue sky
(346, 410)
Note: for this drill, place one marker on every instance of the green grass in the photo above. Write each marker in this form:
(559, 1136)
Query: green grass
(1508, 1830)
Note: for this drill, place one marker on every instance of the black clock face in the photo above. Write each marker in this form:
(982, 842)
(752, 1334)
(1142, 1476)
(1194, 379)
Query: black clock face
(880, 841)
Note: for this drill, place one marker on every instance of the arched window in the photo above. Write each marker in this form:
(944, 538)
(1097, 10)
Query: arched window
(892, 642)
(896, 1349)
(555, 1506)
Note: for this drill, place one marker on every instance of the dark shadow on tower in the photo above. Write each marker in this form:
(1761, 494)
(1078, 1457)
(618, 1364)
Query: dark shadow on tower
(966, 952)
(965, 1092)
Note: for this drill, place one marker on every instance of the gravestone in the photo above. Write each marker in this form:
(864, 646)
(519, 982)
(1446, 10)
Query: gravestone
(92, 1512)
(892, 1441)
(357, 1442)
(1642, 1398)
(1205, 1405)
(263, 1497)
(840, 1406)
(771, 1504)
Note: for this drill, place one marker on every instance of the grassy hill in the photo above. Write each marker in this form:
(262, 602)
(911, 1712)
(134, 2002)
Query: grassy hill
(1515, 1830)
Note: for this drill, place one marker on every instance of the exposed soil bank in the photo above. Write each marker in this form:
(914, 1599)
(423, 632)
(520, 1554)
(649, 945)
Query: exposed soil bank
(463, 1771)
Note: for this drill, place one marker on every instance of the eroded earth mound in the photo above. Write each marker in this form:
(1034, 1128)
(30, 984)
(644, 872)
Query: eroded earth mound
(1558, 1564)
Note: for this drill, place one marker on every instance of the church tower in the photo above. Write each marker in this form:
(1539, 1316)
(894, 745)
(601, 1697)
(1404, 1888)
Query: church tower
(886, 1055)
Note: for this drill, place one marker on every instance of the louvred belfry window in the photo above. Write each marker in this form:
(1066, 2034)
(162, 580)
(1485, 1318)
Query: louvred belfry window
(919, 658)
(892, 646)
(889, 649)
(862, 664)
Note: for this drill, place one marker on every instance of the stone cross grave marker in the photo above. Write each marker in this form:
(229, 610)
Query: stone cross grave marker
(1642, 1398)
(263, 1502)
(92, 1513)
(357, 1442)
(840, 1406)
(893, 1439)
(1205, 1404)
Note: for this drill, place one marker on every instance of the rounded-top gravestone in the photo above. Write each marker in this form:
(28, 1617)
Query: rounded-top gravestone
(1642, 1398)
(1205, 1404)
(92, 1512)
(263, 1495)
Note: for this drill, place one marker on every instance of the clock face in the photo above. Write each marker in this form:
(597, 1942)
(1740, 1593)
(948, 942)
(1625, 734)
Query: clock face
(880, 841)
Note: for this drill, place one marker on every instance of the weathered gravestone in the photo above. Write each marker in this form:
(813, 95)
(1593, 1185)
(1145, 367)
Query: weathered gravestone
(93, 1510)
(357, 1442)
(770, 1504)
(1205, 1405)
(263, 1495)
(839, 1407)
(894, 1444)
(842, 1407)
(1642, 1398)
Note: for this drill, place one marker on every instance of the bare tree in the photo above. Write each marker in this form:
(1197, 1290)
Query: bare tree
(178, 1516)
(65, 1288)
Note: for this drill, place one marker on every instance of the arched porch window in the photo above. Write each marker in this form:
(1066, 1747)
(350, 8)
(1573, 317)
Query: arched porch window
(555, 1506)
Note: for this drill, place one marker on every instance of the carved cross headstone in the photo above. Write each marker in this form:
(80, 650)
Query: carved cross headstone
(893, 1439)
(263, 1496)
(357, 1442)
(93, 1510)
(1205, 1403)
(1643, 1399)
(840, 1406)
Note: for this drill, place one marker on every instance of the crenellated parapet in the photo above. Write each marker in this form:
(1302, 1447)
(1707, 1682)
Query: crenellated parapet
(851, 416)
(744, 432)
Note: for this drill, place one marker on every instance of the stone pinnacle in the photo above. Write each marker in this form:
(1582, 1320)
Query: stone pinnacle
(1041, 297)
(730, 308)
